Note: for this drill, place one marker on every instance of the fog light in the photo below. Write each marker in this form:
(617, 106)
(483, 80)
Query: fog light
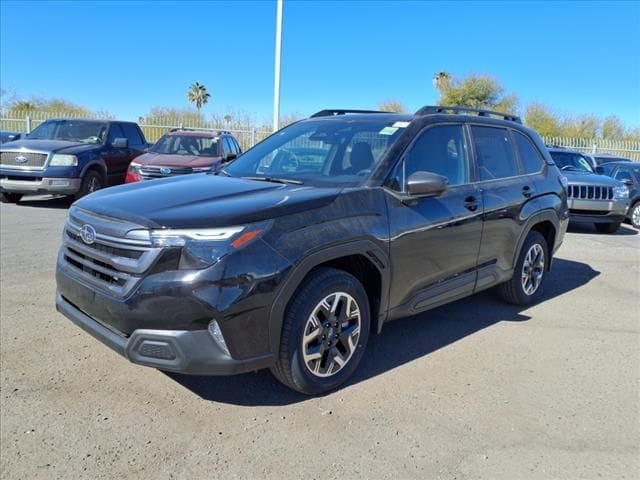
(216, 333)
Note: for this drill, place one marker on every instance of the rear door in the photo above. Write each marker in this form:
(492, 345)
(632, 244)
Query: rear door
(504, 191)
(435, 240)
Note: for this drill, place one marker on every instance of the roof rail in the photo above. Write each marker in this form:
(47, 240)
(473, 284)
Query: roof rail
(333, 111)
(433, 109)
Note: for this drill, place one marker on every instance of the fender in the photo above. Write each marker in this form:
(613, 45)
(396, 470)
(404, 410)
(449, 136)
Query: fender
(547, 207)
(366, 248)
(96, 162)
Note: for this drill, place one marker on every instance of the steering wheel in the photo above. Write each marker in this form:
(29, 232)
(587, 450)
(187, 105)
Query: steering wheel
(288, 162)
(364, 172)
(569, 167)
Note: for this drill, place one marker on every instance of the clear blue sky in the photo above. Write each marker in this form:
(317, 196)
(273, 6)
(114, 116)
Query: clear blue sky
(126, 57)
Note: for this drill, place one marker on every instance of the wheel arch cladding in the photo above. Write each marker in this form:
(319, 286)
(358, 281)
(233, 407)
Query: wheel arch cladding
(362, 259)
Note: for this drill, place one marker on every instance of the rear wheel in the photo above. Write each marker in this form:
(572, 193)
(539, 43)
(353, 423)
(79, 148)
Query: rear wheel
(635, 215)
(10, 197)
(325, 332)
(91, 182)
(607, 227)
(526, 284)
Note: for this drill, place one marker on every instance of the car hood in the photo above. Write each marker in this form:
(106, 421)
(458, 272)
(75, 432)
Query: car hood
(58, 146)
(203, 201)
(165, 160)
(586, 178)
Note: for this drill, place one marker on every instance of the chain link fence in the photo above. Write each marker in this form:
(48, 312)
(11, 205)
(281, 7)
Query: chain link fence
(249, 135)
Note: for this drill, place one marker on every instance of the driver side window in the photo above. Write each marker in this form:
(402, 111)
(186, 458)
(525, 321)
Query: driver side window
(440, 150)
(115, 132)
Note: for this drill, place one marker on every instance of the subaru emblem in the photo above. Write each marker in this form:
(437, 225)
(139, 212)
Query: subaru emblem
(21, 159)
(165, 171)
(88, 234)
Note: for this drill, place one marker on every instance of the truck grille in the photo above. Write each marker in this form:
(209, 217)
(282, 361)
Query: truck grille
(112, 264)
(150, 171)
(590, 192)
(23, 159)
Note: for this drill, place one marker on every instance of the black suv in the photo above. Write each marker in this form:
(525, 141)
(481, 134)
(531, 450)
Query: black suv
(289, 257)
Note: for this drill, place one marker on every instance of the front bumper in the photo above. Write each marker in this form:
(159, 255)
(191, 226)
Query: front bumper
(183, 351)
(41, 186)
(597, 211)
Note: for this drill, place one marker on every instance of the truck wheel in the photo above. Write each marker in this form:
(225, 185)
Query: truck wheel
(10, 197)
(635, 215)
(607, 227)
(324, 333)
(526, 284)
(91, 182)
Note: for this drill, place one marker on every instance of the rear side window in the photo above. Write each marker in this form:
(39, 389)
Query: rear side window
(494, 152)
(529, 155)
(133, 136)
(439, 150)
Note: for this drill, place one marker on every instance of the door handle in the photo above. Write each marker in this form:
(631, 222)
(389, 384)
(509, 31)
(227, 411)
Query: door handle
(471, 203)
(527, 191)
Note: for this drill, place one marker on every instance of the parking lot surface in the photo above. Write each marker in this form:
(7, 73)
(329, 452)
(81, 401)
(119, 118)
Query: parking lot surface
(476, 389)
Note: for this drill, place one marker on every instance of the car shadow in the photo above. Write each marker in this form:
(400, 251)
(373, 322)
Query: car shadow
(57, 202)
(589, 228)
(419, 335)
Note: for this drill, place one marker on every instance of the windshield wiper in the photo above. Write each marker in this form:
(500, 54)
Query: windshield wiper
(275, 180)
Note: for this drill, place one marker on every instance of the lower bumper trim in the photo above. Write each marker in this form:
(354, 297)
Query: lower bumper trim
(43, 186)
(183, 351)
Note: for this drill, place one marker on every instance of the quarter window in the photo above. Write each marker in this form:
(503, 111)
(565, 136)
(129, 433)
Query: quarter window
(529, 155)
(439, 150)
(494, 152)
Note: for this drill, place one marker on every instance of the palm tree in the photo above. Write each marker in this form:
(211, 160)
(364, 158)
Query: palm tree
(442, 80)
(198, 94)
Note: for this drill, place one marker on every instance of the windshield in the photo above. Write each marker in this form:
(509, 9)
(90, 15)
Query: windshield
(323, 152)
(569, 161)
(70, 130)
(191, 145)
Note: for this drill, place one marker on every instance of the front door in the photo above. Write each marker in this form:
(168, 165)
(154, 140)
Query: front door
(434, 240)
(117, 159)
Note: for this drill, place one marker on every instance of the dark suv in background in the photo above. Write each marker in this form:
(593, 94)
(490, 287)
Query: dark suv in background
(69, 157)
(628, 173)
(292, 255)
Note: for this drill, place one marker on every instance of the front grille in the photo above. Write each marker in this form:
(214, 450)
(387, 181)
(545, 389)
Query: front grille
(590, 192)
(22, 159)
(152, 171)
(112, 264)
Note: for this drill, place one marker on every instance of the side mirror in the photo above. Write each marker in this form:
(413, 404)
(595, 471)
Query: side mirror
(422, 184)
(230, 156)
(120, 143)
(17, 136)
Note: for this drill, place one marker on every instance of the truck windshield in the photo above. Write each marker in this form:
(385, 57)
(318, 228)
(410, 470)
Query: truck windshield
(569, 161)
(190, 145)
(82, 131)
(322, 152)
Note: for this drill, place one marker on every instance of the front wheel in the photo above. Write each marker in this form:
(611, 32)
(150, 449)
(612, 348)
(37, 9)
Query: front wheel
(91, 182)
(10, 197)
(526, 284)
(325, 332)
(607, 227)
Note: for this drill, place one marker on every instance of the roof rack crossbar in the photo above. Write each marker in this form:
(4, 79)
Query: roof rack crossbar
(433, 109)
(335, 111)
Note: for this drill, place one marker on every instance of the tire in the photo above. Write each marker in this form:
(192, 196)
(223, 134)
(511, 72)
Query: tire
(10, 197)
(309, 330)
(525, 287)
(607, 227)
(91, 182)
(635, 215)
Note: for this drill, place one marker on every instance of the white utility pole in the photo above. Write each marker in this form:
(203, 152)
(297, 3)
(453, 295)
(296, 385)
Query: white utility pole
(276, 86)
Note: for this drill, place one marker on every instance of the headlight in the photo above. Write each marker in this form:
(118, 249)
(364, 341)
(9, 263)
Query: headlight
(202, 169)
(621, 193)
(59, 160)
(202, 248)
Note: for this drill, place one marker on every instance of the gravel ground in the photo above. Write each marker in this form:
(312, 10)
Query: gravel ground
(473, 390)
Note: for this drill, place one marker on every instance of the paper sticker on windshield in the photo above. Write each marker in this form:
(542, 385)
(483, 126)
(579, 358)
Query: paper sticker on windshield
(401, 124)
(388, 130)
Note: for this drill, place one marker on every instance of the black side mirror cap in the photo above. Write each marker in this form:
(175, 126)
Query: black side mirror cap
(230, 156)
(426, 184)
(120, 143)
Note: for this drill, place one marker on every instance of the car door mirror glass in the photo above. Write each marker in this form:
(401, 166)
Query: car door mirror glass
(426, 184)
(120, 143)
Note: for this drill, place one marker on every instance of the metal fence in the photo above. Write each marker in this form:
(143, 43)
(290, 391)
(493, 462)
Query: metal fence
(249, 135)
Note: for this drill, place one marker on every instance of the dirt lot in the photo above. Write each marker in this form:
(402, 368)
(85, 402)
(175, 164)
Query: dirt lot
(475, 389)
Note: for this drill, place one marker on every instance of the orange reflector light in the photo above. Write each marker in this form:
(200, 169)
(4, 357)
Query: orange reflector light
(245, 238)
